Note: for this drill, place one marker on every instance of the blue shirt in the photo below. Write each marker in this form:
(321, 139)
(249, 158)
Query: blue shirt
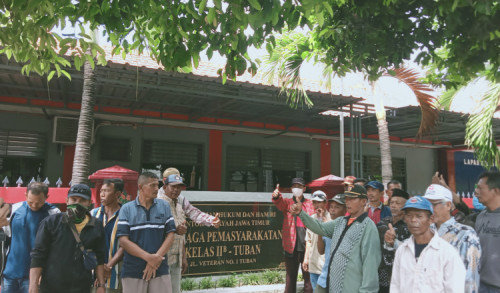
(110, 229)
(324, 271)
(147, 229)
(24, 224)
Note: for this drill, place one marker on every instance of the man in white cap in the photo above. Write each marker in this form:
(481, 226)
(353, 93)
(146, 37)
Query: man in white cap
(313, 260)
(462, 237)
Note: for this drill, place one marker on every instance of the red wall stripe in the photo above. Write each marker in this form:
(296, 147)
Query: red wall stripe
(47, 103)
(275, 126)
(14, 100)
(115, 110)
(147, 113)
(253, 124)
(325, 157)
(215, 160)
(175, 116)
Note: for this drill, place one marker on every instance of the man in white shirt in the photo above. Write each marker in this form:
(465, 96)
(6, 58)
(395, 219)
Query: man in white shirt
(425, 262)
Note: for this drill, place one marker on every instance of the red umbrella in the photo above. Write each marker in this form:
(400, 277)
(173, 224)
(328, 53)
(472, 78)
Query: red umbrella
(330, 184)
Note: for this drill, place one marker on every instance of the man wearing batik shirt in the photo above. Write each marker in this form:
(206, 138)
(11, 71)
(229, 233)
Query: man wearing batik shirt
(180, 208)
(462, 237)
(391, 229)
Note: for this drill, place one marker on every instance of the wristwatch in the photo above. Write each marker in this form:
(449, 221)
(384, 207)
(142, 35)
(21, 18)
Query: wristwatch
(100, 285)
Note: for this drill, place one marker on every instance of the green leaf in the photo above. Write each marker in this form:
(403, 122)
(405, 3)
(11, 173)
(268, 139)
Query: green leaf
(68, 76)
(218, 4)
(51, 74)
(328, 8)
(202, 6)
(255, 4)
(211, 15)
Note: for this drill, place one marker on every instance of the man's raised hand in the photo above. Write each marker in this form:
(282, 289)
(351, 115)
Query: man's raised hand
(181, 229)
(276, 192)
(390, 235)
(216, 221)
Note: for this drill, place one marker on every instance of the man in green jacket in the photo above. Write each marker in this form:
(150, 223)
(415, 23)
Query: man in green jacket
(355, 248)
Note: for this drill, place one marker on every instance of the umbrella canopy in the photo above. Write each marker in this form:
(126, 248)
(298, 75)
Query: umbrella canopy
(330, 184)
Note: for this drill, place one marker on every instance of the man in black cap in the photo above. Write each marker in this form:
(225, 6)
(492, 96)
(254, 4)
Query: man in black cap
(294, 233)
(57, 258)
(355, 248)
(392, 229)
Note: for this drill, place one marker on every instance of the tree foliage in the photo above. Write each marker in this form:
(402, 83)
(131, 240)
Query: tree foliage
(173, 32)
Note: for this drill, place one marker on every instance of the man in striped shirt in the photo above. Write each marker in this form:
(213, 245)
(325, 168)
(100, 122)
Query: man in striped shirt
(146, 231)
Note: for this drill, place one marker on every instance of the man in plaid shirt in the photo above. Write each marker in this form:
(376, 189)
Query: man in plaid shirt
(181, 208)
(294, 234)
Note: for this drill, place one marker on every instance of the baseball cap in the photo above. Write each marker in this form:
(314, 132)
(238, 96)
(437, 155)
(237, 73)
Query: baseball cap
(438, 192)
(400, 193)
(80, 190)
(298, 181)
(339, 198)
(318, 195)
(174, 179)
(357, 191)
(375, 184)
(419, 203)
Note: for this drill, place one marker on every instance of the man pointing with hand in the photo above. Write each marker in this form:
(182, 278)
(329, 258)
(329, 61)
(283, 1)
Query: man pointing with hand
(294, 234)
(181, 208)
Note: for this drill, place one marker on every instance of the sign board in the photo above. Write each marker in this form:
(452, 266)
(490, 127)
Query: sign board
(249, 239)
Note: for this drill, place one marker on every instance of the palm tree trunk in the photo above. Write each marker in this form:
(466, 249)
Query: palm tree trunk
(385, 150)
(81, 163)
(383, 137)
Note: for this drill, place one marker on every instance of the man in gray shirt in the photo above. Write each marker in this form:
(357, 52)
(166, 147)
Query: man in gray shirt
(488, 228)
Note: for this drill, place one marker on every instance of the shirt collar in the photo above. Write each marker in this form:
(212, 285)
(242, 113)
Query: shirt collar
(137, 203)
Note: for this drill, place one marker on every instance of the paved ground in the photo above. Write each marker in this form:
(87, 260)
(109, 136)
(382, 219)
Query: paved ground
(278, 288)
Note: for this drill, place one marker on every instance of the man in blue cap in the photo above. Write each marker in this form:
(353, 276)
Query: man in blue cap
(425, 262)
(376, 208)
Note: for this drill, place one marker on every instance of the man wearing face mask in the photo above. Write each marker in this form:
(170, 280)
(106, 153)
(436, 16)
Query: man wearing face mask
(294, 234)
(57, 258)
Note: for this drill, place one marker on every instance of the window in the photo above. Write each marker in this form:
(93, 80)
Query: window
(22, 154)
(254, 169)
(372, 168)
(114, 149)
(187, 157)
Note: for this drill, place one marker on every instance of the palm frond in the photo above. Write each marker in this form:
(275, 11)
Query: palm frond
(427, 102)
(479, 131)
(283, 64)
(445, 100)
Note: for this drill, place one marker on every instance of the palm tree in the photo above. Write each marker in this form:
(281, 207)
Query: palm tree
(479, 132)
(292, 50)
(81, 163)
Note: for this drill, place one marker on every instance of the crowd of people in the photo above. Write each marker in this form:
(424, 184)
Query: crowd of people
(382, 239)
(369, 238)
(137, 247)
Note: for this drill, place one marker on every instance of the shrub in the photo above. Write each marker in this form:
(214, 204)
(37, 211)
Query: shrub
(207, 283)
(250, 279)
(230, 281)
(188, 285)
(273, 277)
(300, 278)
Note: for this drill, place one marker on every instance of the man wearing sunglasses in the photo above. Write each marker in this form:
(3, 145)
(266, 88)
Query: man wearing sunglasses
(462, 237)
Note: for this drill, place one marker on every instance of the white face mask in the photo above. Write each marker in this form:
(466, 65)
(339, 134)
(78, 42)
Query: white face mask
(297, 191)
